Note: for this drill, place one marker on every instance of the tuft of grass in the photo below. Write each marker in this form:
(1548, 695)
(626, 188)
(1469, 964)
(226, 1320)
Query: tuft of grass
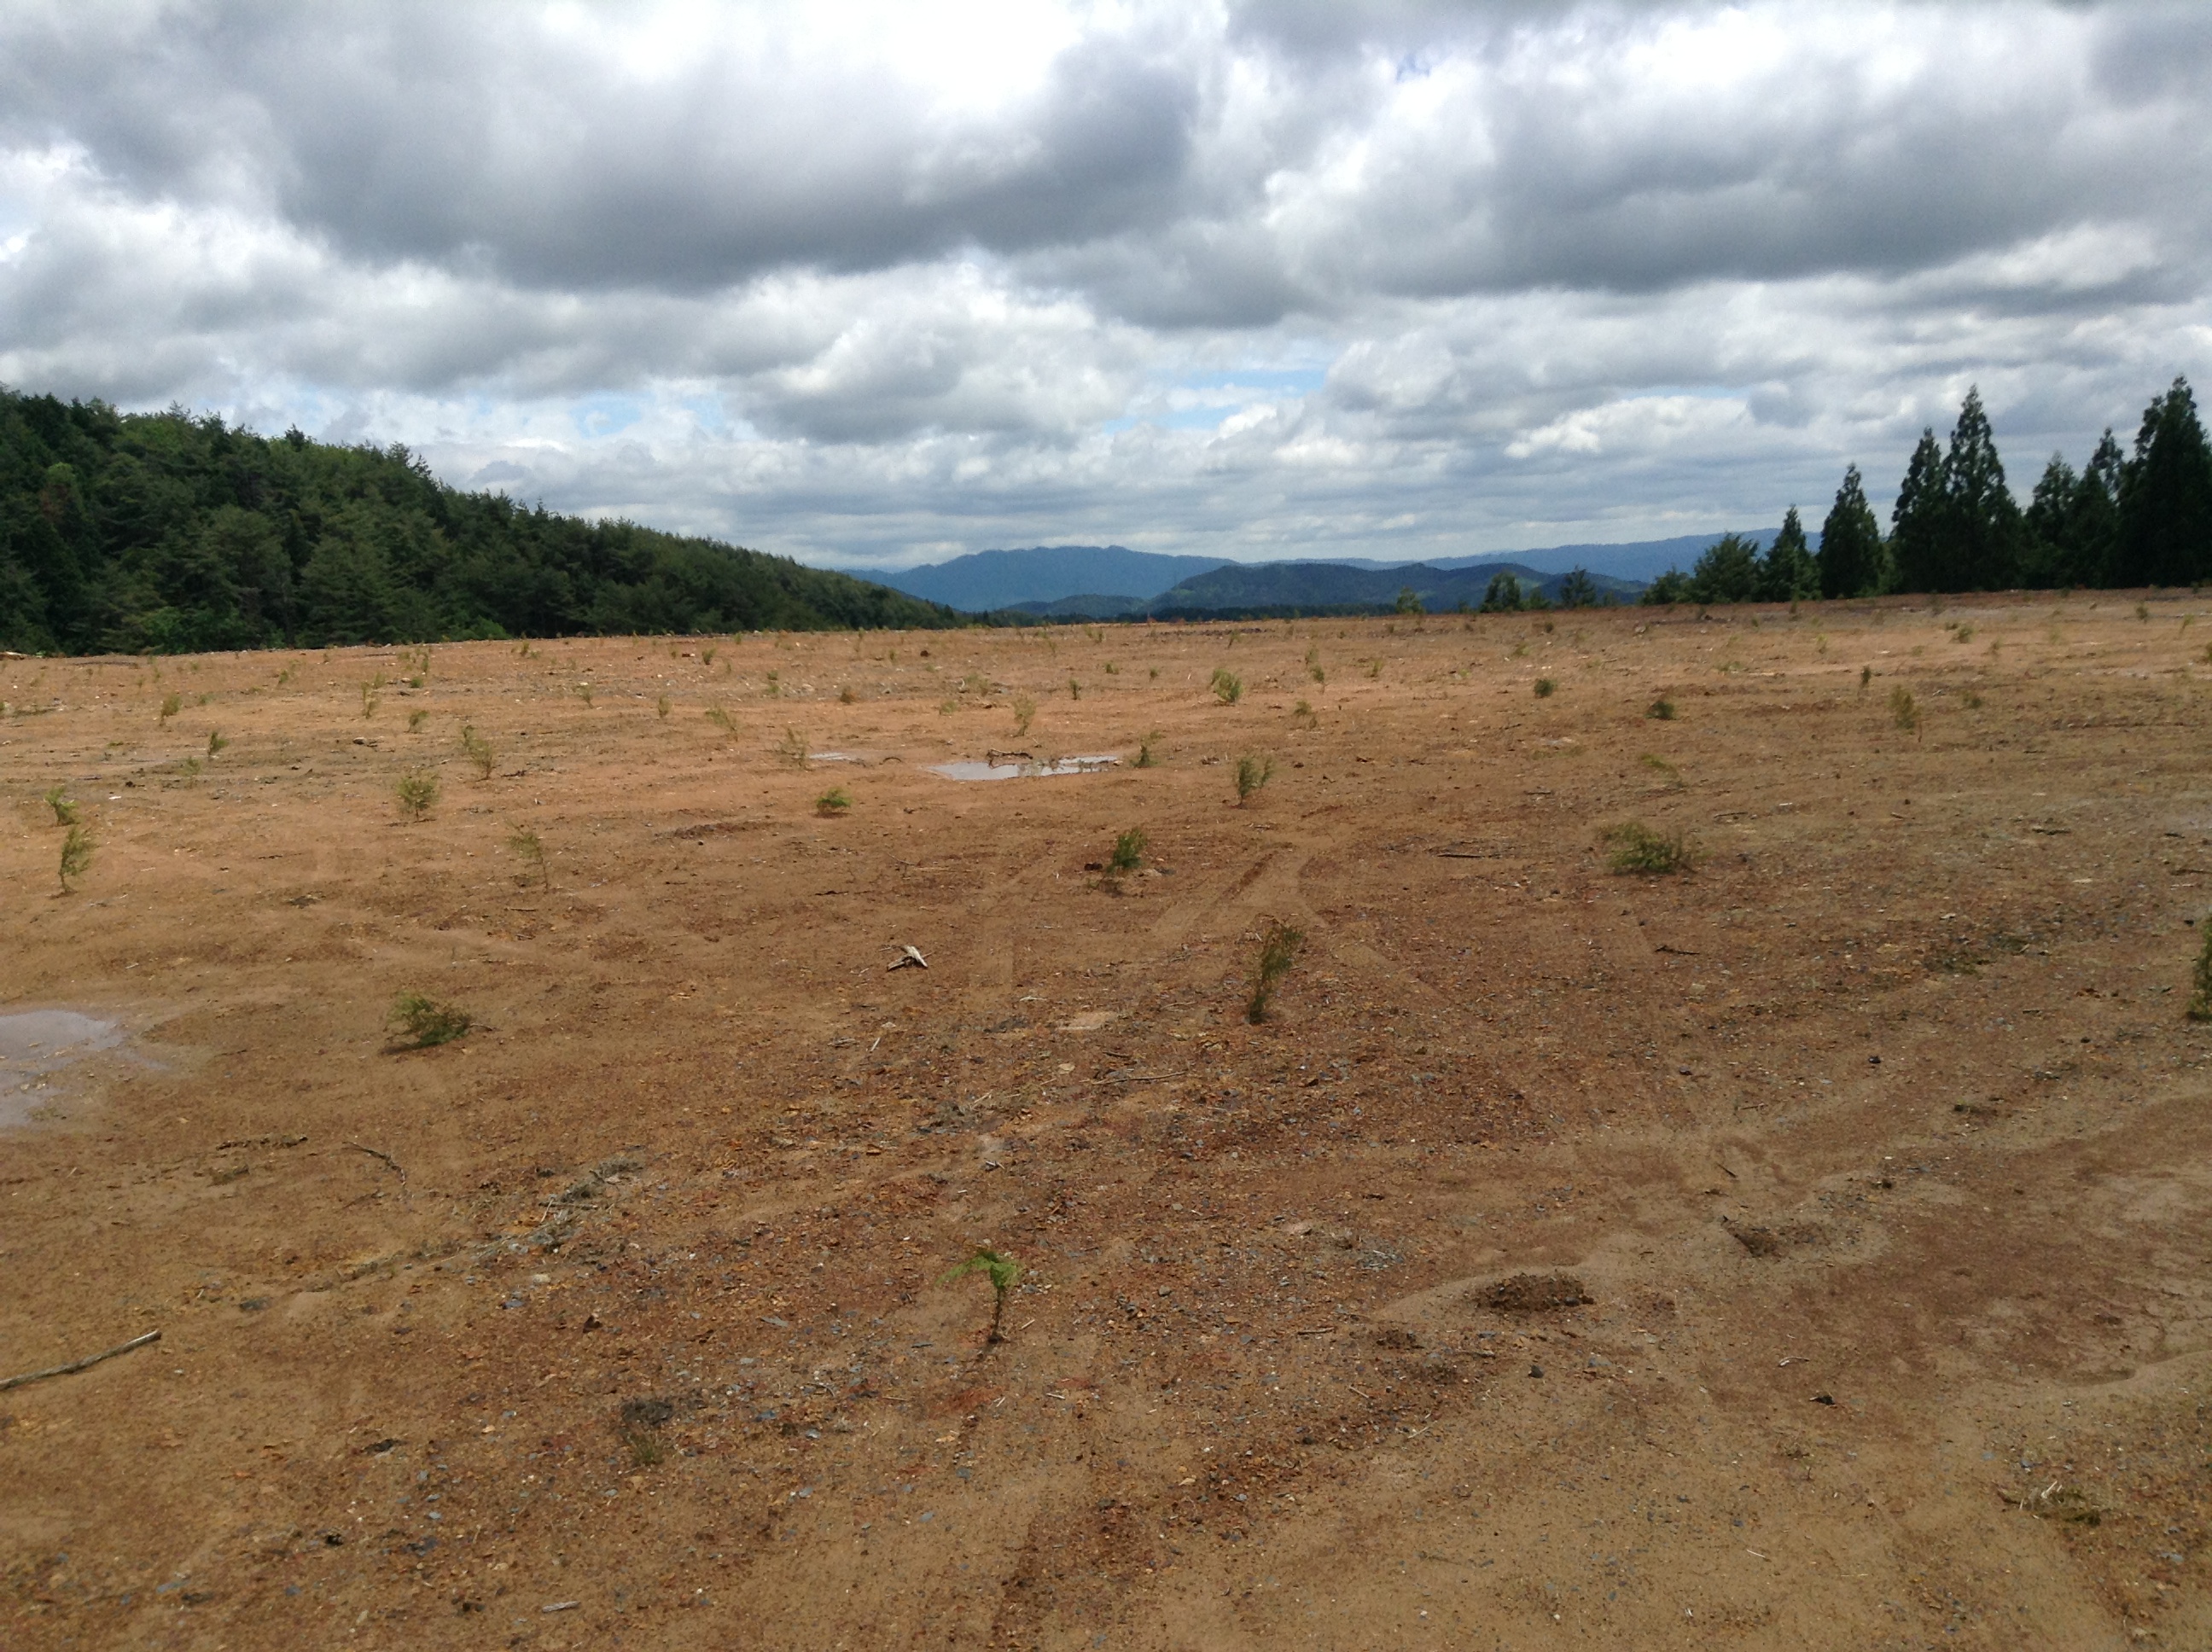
(531, 849)
(1074, 689)
(1128, 851)
(215, 742)
(2200, 1001)
(1145, 758)
(415, 719)
(477, 750)
(1252, 773)
(1279, 951)
(1962, 632)
(76, 856)
(661, 706)
(1546, 687)
(584, 694)
(792, 749)
(2142, 610)
(1904, 709)
(1001, 1269)
(707, 655)
(426, 1022)
(64, 810)
(1639, 850)
(1661, 710)
(1302, 714)
(171, 705)
(832, 803)
(1866, 676)
(1665, 770)
(1228, 687)
(721, 718)
(1025, 710)
(418, 793)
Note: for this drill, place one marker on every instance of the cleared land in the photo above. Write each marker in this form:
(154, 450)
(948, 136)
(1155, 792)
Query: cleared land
(1806, 1248)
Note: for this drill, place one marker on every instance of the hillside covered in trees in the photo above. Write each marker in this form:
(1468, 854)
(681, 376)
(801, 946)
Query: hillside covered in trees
(173, 533)
(2141, 518)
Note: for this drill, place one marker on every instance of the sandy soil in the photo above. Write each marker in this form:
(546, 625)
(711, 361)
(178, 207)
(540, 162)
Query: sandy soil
(1809, 1250)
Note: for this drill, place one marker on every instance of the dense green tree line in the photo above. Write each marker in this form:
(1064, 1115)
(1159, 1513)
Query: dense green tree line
(173, 533)
(2143, 519)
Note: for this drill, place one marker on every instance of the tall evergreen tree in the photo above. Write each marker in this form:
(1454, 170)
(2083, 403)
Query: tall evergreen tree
(1984, 526)
(1788, 572)
(1917, 527)
(1727, 572)
(1851, 557)
(2073, 519)
(2165, 529)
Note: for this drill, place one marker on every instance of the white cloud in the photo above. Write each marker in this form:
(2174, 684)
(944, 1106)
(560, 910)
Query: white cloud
(873, 282)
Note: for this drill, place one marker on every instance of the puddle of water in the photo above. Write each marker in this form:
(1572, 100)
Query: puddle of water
(34, 1042)
(1007, 766)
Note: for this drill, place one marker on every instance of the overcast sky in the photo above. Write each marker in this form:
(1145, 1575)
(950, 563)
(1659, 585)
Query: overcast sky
(883, 285)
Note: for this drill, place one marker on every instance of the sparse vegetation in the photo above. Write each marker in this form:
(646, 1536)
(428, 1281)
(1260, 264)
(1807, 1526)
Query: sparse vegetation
(171, 705)
(1637, 849)
(792, 749)
(1228, 688)
(1145, 757)
(1302, 714)
(832, 803)
(1661, 710)
(1665, 770)
(1279, 951)
(418, 793)
(661, 706)
(1128, 851)
(846, 696)
(721, 718)
(427, 1022)
(2200, 1001)
(1866, 675)
(1904, 709)
(76, 856)
(1546, 687)
(1025, 710)
(1002, 1271)
(415, 719)
(1074, 689)
(1252, 773)
(64, 810)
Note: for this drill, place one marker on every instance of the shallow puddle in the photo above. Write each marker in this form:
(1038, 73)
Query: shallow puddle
(1011, 766)
(35, 1042)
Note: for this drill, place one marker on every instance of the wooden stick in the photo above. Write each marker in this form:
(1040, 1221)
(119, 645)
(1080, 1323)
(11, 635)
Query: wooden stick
(378, 1152)
(76, 1365)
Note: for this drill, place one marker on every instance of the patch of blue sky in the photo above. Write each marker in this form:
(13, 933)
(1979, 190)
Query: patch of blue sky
(707, 413)
(605, 414)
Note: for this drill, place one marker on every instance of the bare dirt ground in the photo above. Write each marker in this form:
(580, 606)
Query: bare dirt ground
(1807, 1249)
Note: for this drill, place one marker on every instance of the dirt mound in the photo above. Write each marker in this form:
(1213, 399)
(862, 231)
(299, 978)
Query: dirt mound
(1536, 1293)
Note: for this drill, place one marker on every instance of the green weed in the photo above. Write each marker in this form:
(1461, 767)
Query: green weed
(1546, 687)
(721, 718)
(832, 803)
(1128, 851)
(1001, 1269)
(1638, 849)
(1904, 709)
(415, 719)
(426, 1022)
(1866, 676)
(661, 707)
(1665, 770)
(530, 849)
(478, 751)
(2200, 1002)
(792, 749)
(1661, 710)
(64, 810)
(1025, 710)
(171, 705)
(1228, 688)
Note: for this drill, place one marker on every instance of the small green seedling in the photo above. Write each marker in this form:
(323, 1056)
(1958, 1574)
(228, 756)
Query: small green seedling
(1024, 709)
(417, 793)
(1866, 676)
(171, 705)
(792, 748)
(1128, 851)
(1002, 1271)
(832, 803)
(477, 750)
(1546, 687)
(416, 718)
(64, 810)
(661, 706)
(427, 1022)
(1228, 688)
(530, 847)
(1639, 850)
(1279, 951)
(1661, 710)
(1302, 715)
(1145, 757)
(1904, 709)
(1252, 773)
(721, 718)
(1666, 771)
(2200, 1002)
(76, 856)
(216, 743)
(584, 694)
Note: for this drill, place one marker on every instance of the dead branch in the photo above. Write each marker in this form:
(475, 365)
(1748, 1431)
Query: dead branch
(76, 1365)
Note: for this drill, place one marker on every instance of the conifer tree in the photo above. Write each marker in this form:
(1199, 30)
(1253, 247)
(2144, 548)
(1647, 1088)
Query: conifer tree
(1851, 558)
(1727, 572)
(2165, 529)
(1916, 522)
(1788, 572)
(1983, 525)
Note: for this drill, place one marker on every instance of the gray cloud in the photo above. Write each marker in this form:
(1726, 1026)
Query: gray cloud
(1292, 278)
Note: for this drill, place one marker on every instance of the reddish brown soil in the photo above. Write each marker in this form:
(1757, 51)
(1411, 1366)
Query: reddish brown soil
(1877, 1146)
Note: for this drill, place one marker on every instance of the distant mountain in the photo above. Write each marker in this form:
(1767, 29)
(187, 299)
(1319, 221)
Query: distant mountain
(1270, 587)
(988, 579)
(1642, 560)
